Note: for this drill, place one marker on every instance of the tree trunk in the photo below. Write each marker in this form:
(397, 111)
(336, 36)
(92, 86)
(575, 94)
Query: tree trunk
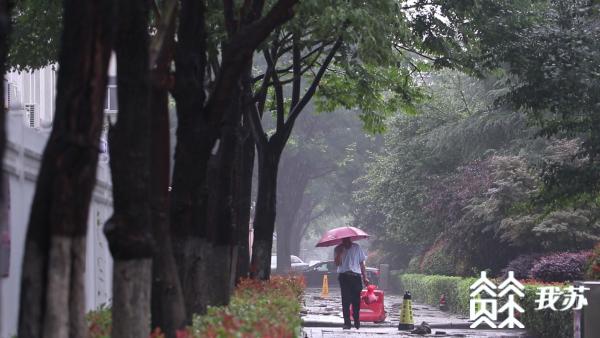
(53, 263)
(264, 219)
(168, 309)
(4, 35)
(4, 196)
(194, 141)
(284, 261)
(221, 216)
(293, 182)
(297, 234)
(131, 297)
(243, 199)
(129, 230)
(243, 177)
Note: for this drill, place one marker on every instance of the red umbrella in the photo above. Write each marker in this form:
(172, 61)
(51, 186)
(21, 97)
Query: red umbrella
(335, 236)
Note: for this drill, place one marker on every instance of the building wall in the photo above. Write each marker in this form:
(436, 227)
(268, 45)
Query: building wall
(21, 163)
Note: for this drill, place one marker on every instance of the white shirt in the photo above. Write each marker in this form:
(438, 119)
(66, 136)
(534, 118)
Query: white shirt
(351, 259)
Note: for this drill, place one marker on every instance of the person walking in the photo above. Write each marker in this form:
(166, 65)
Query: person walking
(350, 261)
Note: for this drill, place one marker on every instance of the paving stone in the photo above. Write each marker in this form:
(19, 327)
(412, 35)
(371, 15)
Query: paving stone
(328, 323)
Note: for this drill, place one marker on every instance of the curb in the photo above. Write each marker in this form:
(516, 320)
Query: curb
(385, 325)
(447, 326)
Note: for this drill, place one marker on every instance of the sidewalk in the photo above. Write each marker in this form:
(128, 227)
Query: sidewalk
(323, 318)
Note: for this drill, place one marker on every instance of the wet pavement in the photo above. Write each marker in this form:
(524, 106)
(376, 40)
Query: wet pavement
(322, 317)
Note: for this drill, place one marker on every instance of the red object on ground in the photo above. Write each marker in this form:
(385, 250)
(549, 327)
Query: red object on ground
(370, 297)
(371, 305)
(335, 236)
(443, 306)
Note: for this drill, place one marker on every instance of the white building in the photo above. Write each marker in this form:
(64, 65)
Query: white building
(30, 103)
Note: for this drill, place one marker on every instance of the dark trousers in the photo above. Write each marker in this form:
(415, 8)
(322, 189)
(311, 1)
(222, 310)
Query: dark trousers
(351, 286)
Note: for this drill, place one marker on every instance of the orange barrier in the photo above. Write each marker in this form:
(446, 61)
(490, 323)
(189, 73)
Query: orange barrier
(371, 305)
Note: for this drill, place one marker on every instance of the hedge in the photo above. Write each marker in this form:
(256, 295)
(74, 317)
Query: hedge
(257, 309)
(545, 323)
(428, 289)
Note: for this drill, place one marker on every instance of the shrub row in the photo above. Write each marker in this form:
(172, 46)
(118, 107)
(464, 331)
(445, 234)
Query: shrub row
(545, 323)
(428, 289)
(257, 309)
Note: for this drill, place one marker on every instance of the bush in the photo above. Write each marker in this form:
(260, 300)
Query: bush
(561, 267)
(545, 323)
(99, 322)
(437, 261)
(593, 266)
(428, 288)
(521, 266)
(257, 309)
(414, 265)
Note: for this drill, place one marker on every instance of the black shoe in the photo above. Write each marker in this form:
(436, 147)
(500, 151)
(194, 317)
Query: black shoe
(347, 327)
(357, 325)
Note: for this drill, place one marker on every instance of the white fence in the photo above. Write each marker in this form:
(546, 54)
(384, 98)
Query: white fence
(21, 164)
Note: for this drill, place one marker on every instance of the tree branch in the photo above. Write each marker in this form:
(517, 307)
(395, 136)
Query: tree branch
(297, 68)
(279, 101)
(256, 128)
(238, 53)
(401, 48)
(228, 14)
(297, 109)
(165, 29)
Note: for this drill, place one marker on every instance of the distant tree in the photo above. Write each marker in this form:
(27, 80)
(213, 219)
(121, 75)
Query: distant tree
(462, 182)
(351, 52)
(552, 57)
(326, 152)
(35, 42)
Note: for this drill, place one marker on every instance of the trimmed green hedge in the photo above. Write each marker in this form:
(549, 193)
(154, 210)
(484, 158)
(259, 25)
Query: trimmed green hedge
(545, 323)
(428, 289)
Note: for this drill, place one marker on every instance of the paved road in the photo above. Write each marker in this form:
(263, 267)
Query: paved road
(323, 318)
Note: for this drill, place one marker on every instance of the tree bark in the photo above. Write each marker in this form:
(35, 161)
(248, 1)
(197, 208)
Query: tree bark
(4, 35)
(4, 195)
(290, 192)
(129, 231)
(188, 195)
(167, 307)
(264, 219)
(53, 263)
(221, 215)
(243, 199)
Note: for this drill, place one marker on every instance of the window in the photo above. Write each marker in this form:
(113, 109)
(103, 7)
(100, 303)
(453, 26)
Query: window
(322, 267)
(110, 101)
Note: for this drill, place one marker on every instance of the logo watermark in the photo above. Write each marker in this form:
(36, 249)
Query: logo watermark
(486, 296)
